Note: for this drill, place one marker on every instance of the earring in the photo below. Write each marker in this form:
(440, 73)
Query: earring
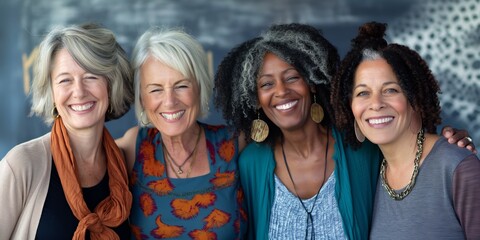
(259, 131)
(358, 132)
(141, 119)
(54, 111)
(316, 111)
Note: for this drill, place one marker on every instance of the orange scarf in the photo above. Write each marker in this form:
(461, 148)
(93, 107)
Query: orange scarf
(110, 212)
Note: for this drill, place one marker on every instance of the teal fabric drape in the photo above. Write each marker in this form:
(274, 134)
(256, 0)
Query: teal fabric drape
(356, 173)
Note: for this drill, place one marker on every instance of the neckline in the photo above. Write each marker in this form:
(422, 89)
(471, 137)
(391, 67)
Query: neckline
(205, 130)
(284, 189)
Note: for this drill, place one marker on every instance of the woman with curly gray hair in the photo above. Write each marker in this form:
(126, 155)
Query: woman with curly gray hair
(298, 183)
(300, 180)
(74, 176)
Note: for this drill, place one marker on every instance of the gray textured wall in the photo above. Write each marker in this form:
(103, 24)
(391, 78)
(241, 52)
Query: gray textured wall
(446, 33)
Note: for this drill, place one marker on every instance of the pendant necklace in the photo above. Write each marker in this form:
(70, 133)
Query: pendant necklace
(309, 212)
(170, 158)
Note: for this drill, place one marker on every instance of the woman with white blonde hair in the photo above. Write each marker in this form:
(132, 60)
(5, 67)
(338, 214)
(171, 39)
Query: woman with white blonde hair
(184, 172)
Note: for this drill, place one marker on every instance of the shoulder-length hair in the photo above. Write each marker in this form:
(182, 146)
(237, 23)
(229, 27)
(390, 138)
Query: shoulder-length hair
(96, 50)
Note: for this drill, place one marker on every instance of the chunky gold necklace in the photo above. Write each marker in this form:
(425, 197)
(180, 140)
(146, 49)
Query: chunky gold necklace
(416, 163)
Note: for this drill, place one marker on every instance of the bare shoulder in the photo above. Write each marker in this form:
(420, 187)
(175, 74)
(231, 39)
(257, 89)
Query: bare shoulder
(127, 144)
(128, 139)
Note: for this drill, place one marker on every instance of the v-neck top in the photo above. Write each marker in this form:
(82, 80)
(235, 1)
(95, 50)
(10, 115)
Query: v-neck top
(288, 219)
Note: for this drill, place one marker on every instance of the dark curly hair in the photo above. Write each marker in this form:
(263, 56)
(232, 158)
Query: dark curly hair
(300, 45)
(414, 76)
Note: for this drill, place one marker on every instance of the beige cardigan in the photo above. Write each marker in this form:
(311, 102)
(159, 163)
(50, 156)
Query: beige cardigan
(24, 180)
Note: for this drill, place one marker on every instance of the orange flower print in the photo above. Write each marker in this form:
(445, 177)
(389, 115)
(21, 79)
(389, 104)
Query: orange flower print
(243, 214)
(216, 219)
(151, 133)
(202, 235)
(226, 150)
(151, 167)
(137, 233)
(166, 231)
(224, 179)
(186, 209)
(205, 200)
(147, 204)
(161, 187)
(240, 196)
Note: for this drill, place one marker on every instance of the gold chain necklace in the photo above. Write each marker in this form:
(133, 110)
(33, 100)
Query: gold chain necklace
(170, 158)
(416, 163)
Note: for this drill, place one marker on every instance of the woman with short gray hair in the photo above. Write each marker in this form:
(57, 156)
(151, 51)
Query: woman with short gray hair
(184, 172)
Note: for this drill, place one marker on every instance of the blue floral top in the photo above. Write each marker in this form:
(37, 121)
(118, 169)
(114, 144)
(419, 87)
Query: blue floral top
(204, 207)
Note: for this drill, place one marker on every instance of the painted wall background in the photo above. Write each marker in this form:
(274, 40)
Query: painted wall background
(445, 32)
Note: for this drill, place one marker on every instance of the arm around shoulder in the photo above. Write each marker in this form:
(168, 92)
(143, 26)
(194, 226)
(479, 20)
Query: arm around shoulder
(466, 195)
(127, 143)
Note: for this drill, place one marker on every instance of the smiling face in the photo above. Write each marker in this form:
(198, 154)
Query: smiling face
(283, 94)
(379, 104)
(170, 100)
(81, 98)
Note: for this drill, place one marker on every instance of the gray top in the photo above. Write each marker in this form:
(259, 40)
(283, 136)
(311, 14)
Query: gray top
(289, 220)
(444, 203)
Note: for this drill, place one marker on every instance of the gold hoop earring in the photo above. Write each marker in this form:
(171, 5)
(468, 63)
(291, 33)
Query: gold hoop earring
(141, 119)
(259, 131)
(316, 111)
(55, 111)
(358, 132)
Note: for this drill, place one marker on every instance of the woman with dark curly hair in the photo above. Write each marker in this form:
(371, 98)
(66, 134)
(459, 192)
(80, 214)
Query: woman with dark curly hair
(300, 181)
(429, 188)
(278, 81)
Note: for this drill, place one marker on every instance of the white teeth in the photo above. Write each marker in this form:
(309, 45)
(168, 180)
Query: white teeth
(380, 120)
(84, 107)
(174, 116)
(286, 105)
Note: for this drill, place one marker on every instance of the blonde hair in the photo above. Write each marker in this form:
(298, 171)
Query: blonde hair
(96, 50)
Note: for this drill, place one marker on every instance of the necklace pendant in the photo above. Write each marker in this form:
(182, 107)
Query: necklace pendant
(180, 171)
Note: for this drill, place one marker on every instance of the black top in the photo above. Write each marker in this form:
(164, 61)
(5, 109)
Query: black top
(57, 220)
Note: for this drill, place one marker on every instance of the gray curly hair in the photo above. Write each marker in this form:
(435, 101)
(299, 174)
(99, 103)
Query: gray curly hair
(300, 45)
